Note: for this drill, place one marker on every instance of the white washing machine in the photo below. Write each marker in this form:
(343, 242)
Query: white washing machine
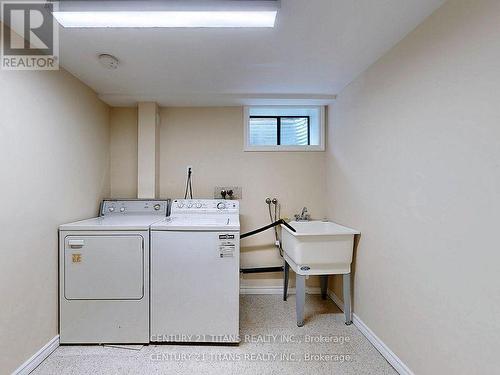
(104, 274)
(195, 273)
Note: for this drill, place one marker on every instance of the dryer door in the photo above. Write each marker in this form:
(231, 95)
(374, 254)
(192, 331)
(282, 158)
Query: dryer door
(104, 267)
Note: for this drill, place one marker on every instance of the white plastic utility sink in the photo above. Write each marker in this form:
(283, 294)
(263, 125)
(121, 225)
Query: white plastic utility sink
(319, 247)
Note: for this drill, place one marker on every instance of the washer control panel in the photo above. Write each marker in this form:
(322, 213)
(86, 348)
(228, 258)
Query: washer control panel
(205, 206)
(134, 207)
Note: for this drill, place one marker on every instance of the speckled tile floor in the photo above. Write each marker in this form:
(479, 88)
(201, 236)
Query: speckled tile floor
(271, 344)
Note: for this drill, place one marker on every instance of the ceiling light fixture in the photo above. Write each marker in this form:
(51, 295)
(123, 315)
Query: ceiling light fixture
(164, 13)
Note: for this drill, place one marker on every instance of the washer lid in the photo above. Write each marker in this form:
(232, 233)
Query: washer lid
(199, 223)
(130, 222)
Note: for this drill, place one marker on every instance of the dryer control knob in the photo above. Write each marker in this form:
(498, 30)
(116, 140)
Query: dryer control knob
(198, 205)
(111, 209)
(157, 207)
(122, 209)
(221, 205)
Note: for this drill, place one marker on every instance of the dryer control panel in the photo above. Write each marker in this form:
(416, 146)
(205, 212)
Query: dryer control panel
(134, 207)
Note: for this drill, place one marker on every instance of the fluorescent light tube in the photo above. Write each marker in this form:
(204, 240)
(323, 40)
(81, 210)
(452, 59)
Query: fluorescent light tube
(87, 19)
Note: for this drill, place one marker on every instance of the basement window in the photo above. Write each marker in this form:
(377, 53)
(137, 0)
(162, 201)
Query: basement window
(284, 128)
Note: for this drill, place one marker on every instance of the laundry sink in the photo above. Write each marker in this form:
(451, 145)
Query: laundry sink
(320, 247)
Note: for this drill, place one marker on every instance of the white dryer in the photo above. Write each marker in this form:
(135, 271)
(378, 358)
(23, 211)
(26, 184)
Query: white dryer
(195, 270)
(104, 274)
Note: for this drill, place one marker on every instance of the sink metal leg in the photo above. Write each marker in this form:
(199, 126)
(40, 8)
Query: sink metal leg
(347, 298)
(300, 300)
(324, 285)
(286, 275)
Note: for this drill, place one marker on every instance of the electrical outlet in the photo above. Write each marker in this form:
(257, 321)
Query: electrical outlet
(237, 192)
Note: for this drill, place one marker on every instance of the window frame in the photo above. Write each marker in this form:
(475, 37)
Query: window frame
(279, 147)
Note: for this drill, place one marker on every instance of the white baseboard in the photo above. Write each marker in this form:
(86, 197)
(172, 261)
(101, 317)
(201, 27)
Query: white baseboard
(38, 357)
(387, 353)
(274, 290)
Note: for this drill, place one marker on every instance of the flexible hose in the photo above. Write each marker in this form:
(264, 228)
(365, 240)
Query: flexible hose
(273, 219)
(276, 218)
(189, 186)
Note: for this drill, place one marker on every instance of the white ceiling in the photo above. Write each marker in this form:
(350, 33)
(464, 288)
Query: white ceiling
(316, 49)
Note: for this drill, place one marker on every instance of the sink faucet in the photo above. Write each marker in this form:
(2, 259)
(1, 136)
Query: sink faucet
(303, 216)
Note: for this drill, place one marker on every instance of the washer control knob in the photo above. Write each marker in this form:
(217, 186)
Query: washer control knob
(189, 205)
(157, 207)
(180, 205)
(122, 209)
(198, 205)
(111, 209)
(221, 205)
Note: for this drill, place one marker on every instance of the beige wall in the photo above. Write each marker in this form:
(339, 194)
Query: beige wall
(211, 140)
(148, 128)
(123, 149)
(54, 137)
(414, 164)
